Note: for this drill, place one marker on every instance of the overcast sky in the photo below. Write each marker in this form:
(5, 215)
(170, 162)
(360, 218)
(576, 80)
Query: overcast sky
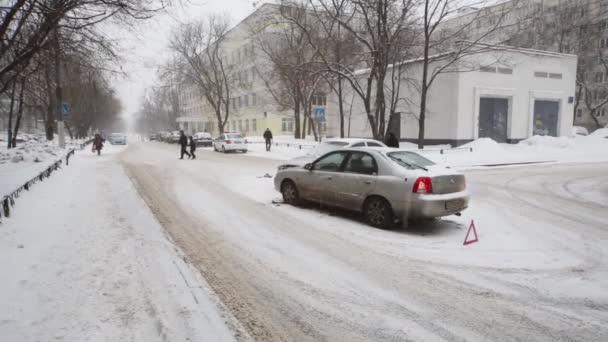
(144, 47)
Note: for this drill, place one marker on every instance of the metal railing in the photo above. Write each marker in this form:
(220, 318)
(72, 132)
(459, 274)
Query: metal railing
(8, 201)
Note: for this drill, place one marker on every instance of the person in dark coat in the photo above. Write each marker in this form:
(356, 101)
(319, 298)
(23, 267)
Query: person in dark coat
(183, 142)
(97, 143)
(268, 139)
(192, 147)
(392, 141)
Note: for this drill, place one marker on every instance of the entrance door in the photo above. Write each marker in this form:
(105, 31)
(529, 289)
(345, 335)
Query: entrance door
(546, 114)
(493, 118)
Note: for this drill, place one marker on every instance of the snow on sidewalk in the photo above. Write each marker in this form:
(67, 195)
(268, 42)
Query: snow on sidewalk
(83, 258)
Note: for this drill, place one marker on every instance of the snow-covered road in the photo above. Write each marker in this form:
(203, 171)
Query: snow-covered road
(538, 273)
(83, 259)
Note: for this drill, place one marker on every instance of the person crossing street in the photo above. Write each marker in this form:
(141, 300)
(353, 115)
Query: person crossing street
(183, 142)
(268, 139)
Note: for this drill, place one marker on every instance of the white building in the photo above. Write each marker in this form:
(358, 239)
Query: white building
(505, 94)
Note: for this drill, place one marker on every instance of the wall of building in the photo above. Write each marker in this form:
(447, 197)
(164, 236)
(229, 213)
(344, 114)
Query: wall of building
(454, 98)
(521, 88)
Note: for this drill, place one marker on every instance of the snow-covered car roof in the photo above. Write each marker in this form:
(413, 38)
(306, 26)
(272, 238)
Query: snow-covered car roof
(351, 140)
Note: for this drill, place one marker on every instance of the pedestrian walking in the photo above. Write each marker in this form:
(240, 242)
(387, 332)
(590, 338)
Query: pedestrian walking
(97, 143)
(183, 143)
(392, 141)
(268, 139)
(192, 147)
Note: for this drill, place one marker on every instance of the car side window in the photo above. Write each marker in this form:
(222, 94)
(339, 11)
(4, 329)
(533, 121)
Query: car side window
(373, 144)
(330, 162)
(359, 144)
(362, 163)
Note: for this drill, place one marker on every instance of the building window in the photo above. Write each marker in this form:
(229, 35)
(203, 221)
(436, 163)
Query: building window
(487, 69)
(541, 74)
(287, 125)
(506, 71)
(234, 125)
(246, 125)
(253, 74)
(241, 125)
(254, 99)
(254, 125)
(319, 100)
(240, 102)
(246, 100)
(555, 76)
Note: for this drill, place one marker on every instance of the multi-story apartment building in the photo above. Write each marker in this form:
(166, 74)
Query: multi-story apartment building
(253, 108)
(578, 27)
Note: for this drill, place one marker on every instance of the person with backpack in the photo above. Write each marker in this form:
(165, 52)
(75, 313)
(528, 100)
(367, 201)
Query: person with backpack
(268, 139)
(192, 148)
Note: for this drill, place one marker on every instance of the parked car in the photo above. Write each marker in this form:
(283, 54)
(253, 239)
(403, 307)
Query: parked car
(154, 136)
(117, 139)
(386, 185)
(334, 144)
(164, 136)
(203, 139)
(174, 137)
(230, 141)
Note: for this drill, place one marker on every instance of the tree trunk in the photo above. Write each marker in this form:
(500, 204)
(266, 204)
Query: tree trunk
(69, 130)
(10, 118)
(19, 115)
(303, 135)
(296, 119)
(341, 106)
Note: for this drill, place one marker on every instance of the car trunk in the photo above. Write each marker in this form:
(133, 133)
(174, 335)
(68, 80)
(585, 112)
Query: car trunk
(446, 184)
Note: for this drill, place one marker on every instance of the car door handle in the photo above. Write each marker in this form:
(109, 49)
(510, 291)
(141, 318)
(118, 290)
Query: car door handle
(367, 182)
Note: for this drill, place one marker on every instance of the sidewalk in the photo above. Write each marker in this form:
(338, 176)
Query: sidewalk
(83, 259)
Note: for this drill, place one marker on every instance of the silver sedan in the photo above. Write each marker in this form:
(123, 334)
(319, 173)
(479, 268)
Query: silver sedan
(386, 185)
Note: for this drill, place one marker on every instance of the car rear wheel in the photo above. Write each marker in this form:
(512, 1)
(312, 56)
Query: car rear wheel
(378, 213)
(290, 193)
(223, 149)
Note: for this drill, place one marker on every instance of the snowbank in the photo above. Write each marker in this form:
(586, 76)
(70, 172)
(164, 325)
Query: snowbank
(32, 155)
(548, 141)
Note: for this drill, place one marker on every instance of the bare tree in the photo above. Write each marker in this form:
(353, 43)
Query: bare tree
(199, 48)
(445, 44)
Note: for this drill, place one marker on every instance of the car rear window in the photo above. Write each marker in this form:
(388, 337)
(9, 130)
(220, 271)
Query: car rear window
(234, 136)
(404, 158)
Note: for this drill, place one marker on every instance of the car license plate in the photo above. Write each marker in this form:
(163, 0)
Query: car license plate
(454, 204)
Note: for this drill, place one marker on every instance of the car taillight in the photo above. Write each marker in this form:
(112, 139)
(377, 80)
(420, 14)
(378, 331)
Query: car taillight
(228, 142)
(423, 185)
(245, 141)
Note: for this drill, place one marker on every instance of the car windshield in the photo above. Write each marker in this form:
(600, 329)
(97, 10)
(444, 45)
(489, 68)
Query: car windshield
(409, 159)
(328, 146)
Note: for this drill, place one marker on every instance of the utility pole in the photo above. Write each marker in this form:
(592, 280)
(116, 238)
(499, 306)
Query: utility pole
(58, 92)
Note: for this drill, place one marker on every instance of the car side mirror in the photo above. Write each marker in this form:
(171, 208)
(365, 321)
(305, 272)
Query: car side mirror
(308, 167)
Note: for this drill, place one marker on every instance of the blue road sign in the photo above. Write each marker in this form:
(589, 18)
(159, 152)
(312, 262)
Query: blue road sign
(319, 114)
(66, 111)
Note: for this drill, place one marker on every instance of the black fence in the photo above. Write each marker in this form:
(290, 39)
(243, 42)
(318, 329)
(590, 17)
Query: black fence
(8, 201)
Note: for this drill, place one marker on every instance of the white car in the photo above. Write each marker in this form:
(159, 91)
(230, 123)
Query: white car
(334, 144)
(117, 139)
(203, 139)
(230, 141)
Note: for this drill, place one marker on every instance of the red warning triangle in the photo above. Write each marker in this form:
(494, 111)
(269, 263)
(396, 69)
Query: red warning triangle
(466, 238)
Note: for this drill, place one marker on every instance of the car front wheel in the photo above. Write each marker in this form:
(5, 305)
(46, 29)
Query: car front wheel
(378, 213)
(289, 190)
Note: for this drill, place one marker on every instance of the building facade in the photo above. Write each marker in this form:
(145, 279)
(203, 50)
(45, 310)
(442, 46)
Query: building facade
(510, 95)
(252, 107)
(578, 27)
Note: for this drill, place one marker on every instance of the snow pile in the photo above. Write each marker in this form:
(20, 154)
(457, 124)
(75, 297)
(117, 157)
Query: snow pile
(485, 144)
(32, 155)
(548, 141)
(600, 133)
